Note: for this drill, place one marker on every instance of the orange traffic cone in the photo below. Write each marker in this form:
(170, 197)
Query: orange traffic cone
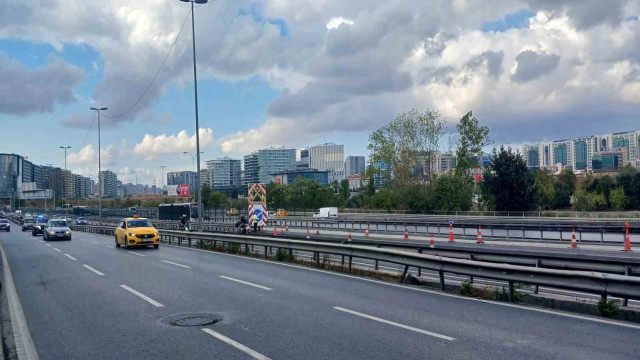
(451, 233)
(349, 237)
(318, 230)
(480, 235)
(275, 231)
(432, 244)
(627, 239)
(308, 235)
(366, 231)
(406, 233)
(574, 244)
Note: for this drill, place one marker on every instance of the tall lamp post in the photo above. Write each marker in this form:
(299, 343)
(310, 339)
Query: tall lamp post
(162, 179)
(64, 192)
(195, 87)
(99, 166)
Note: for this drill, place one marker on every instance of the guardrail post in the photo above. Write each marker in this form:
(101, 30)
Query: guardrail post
(215, 245)
(511, 294)
(523, 233)
(342, 260)
(265, 252)
(317, 255)
(560, 234)
(246, 249)
(538, 264)
(625, 301)
(376, 266)
(290, 254)
(603, 297)
(419, 268)
(579, 235)
(471, 277)
(541, 234)
(404, 273)
(189, 242)
(441, 274)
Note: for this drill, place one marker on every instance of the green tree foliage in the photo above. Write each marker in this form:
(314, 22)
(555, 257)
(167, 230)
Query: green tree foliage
(277, 196)
(564, 188)
(213, 199)
(345, 191)
(618, 199)
(386, 199)
(302, 194)
(453, 192)
(545, 190)
(472, 137)
(509, 182)
(407, 143)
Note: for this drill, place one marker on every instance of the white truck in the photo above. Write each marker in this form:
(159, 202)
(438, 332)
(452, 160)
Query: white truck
(326, 213)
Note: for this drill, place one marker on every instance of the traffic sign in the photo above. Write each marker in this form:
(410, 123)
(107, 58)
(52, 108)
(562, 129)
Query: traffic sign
(450, 221)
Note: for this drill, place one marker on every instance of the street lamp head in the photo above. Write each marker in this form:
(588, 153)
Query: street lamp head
(196, 1)
(93, 108)
(103, 109)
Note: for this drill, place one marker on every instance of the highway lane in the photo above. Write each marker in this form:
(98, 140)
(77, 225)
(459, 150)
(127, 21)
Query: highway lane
(278, 310)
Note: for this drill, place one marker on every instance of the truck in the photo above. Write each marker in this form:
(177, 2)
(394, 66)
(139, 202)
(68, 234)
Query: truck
(326, 213)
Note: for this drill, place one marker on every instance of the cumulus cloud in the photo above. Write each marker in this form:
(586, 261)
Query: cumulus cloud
(152, 147)
(24, 91)
(88, 155)
(532, 65)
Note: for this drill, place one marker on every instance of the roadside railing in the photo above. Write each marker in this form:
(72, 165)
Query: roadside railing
(603, 284)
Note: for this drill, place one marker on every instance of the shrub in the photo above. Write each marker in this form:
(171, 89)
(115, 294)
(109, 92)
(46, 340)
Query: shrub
(609, 308)
(467, 288)
(234, 248)
(282, 254)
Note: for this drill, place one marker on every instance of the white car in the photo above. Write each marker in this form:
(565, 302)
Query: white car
(326, 213)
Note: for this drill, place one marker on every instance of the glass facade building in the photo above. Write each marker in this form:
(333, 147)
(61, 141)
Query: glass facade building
(580, 149)
(224, 172)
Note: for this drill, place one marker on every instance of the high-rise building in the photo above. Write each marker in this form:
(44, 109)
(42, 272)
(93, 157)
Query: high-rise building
(89, 187)
(78, 186)
(68, 185)
(182, 177)
(108, 184)
(328, 157)
(578, 153)
(354, 165)
(286, 177)
(304, 159)
(205, 180)
(448, 161)
(260, 165)
(224, 172)
(251, 169)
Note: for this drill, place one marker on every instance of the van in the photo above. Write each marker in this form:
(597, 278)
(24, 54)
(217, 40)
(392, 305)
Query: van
(326, 212)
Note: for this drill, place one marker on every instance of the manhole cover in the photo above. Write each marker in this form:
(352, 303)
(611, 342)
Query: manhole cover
(192, 320)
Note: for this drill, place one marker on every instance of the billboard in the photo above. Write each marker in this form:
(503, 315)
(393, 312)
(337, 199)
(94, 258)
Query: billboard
(178, 190)
(257, 199)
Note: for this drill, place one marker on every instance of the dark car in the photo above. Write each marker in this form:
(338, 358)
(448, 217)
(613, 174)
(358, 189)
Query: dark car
(4, 225)
(38, 227)
(81, 221)
(57, 229)
(28, 223)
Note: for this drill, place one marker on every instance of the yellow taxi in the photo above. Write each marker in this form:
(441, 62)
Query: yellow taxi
(281, 213)
(137, 231)
(232, 211)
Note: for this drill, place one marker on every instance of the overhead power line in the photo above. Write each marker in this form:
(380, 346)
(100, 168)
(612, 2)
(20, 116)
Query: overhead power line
(146, 90)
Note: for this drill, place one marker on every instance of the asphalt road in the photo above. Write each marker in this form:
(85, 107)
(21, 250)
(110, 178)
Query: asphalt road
(85, 299)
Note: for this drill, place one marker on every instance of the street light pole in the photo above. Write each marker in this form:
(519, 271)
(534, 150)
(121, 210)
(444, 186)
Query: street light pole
(162, 179)
(65, 170)
(195, 87)
(99, 166)
(193, 160)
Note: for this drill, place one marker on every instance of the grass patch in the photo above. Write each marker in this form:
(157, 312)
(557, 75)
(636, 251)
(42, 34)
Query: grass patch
(467, 288)
(609, 308)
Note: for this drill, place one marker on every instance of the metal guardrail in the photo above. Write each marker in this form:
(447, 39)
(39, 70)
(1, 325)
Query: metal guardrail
(603, 284)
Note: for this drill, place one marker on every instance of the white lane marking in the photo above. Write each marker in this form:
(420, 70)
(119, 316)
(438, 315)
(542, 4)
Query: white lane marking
(70, 257)
(245, 282)
(83, 240)
(93, 242)
(49, 245)
(392, 323)
(176, 264)
(412, 288)
(56, 249)
(142, 296)
(109, 246)
(134, 253)
(235, 344)
(92, 269)
(21, 335)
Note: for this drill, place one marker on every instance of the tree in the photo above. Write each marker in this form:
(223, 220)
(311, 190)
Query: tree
(345, 190)
(472, 138)
(277, 196)
(385, 199)
(509, 182)
(564, 189)
(545, 191)
(407, 143)
(218, 199)
(452, 192)
(618, 199)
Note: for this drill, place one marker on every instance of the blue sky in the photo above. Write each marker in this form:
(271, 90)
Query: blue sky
(269, 71)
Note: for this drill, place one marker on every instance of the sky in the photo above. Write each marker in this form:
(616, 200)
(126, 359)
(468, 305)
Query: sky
(304, 72)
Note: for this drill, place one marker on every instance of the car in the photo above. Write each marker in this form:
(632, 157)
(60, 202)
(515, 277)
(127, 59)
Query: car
(4, 225)
(281, 213)
(40, 224)
(136, 231)
(27, 224)
(232, 211)
(326, 212)
(81, 221)
(57, 229)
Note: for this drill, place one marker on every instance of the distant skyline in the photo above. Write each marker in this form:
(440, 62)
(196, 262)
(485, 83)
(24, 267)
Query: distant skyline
(275, 73)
